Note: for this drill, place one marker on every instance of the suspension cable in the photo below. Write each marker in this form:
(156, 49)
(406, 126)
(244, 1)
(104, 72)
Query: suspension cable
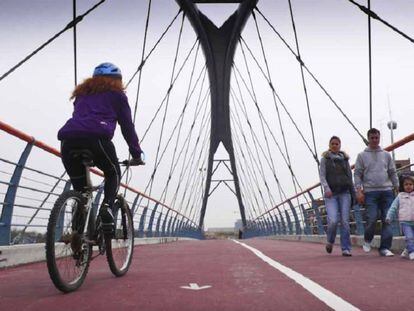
(192, 192)
(171, 86)
(179, 125)
(195, 165)
(270, 131)
(128, 178)
(255, 139)
(144, 44)
(157, 164)
(252, 161)
(246, 181)
(187, 98)
(294, 178)
(236, 120)
(370, 64)
(274, 99)
(374, 15)
(168, 99)
(254, 98)
(313, 77)
(246, 178)
(153, 48)
(315, 156)
(184, 166)
(185, 146)
(67, 27)
(250, 175)
(75, 59)
(303, 79)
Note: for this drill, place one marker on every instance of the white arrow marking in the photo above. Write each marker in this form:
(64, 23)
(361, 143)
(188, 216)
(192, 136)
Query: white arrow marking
(194, 286)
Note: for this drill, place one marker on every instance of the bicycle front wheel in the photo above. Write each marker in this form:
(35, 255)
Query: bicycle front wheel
(120, 248)
(67, 253)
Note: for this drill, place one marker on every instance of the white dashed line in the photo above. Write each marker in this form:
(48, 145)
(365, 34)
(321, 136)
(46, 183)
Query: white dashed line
(324, 295)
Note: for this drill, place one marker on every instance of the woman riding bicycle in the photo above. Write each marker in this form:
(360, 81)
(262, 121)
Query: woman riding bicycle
(100, 102)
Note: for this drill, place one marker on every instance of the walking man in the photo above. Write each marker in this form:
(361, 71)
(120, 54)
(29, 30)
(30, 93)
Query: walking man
(376, 181)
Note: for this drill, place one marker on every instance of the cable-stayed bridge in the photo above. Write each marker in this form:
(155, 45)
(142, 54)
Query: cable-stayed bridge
(233, 118)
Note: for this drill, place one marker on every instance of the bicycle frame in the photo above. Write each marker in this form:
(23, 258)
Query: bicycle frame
(89, 197)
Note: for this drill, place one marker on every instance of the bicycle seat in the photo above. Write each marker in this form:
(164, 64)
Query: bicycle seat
(84, 155)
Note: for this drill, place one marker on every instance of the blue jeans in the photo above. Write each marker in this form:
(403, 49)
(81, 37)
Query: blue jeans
(409, 236)
(337, 208)
(377, 204)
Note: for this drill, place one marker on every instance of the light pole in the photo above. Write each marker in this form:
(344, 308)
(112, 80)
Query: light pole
(392, 125)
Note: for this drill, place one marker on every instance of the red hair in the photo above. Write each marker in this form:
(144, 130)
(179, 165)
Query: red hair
(98, 84)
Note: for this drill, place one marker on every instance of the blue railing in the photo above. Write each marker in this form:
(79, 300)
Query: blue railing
(27, 195)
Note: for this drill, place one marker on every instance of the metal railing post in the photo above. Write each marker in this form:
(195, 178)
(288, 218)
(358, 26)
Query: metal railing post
(142, 222)
(151, 221)
(315, 208)
(358, 219)
(164, 224)
(298, 228)
(157, 228)
(7, 211)
(307, 228)
(290, 225)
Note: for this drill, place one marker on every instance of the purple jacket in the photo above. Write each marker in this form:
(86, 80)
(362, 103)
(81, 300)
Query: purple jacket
(95, 116)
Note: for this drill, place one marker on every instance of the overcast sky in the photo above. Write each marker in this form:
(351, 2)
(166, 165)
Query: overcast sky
(333, 42)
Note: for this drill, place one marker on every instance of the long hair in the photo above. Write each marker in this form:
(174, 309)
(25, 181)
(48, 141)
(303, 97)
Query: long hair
(98, 84)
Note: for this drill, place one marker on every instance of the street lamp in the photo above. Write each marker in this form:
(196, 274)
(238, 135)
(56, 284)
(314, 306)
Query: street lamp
(392, 125)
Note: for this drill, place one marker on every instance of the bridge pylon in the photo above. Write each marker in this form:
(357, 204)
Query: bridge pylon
(219, 46)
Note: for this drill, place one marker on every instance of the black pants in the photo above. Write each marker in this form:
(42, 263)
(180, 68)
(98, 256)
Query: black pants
(104, 157)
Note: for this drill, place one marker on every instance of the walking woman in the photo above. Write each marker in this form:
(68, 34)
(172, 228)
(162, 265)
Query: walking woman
(336, 180)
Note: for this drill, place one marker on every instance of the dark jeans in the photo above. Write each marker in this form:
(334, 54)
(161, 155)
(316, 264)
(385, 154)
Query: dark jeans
(377, 204)
(104, 157)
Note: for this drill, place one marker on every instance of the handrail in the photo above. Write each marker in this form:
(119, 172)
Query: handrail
(391, 147)
(30, 139)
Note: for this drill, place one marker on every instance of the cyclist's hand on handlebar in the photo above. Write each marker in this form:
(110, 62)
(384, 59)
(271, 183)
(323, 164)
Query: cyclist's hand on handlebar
(136, 161)
(133, 162)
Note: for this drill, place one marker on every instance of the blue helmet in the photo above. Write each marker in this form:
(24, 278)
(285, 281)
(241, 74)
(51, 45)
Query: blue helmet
(107, 69)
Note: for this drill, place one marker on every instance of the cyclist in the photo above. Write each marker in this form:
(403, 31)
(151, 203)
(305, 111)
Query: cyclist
(100, 102)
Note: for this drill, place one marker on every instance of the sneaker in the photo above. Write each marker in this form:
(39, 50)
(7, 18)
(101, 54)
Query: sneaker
(404, 253)
(346, 253)
(411, 256)
(107, 219)
(386, 253)
(328, 248)
(366, 247)
(106, 214)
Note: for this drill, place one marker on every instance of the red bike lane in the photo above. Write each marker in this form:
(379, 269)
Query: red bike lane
(238, 279)
(366, 280)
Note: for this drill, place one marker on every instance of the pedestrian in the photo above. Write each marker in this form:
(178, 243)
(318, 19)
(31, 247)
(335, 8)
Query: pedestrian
(403, 205)
(336, 180)
(376, 181)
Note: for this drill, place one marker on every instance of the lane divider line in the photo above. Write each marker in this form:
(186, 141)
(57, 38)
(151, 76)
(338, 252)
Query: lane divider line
(330, 299)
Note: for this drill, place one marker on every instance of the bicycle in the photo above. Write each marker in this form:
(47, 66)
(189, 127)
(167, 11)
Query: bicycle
(73, 229)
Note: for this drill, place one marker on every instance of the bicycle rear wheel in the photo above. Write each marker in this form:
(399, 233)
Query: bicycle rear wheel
(120, 248)
(67, 254)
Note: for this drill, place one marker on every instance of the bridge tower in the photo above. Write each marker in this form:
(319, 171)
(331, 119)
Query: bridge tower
(219, 46)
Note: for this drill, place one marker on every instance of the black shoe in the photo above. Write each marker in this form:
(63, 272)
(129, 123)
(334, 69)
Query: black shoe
(329, 247)
(107, 219)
